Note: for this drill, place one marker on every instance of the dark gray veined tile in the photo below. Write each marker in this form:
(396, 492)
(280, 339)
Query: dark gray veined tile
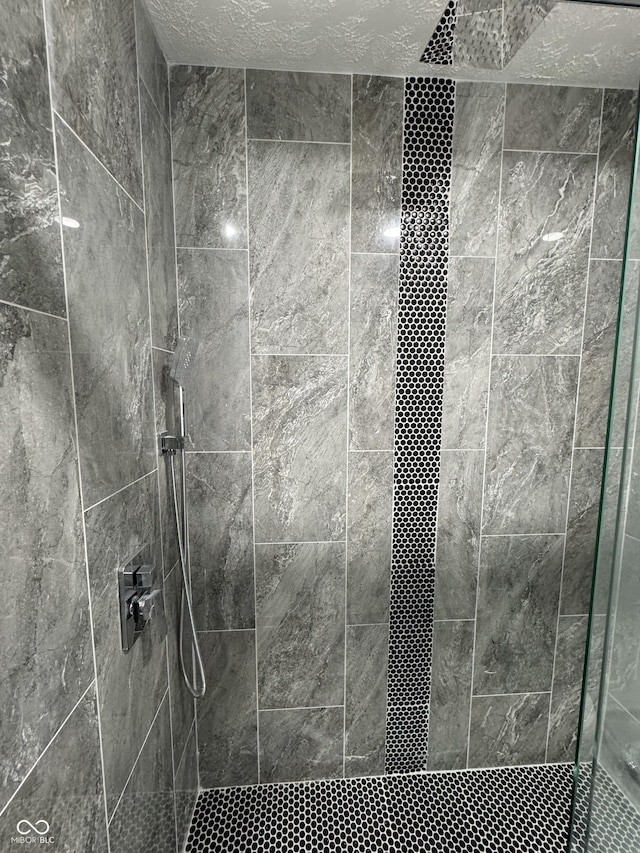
(214, 310)
(301, 744)
(300, 624)
(601, 319)
(109, 319)
(31, 268)
(530, 432)
(518, 598)
(372, 342)
(567, 688)
(45, 641)
(586, 745)
(65, 787)
(130, 686)
(541, 284)
(620, 736)
(619, 117)
(95, 81)
(209, 161)
(370, 500)
(295, 105)
(467, 352)
(624, 357)
(458, 533)
(376, 163)
(552, 118)
(607, 533)
(508, 730)
(227, 716)
(450, 701)
(632, 520)
(299, 238)
(366, 699)
(182, 703)
(475, 168)
(149, 792)
(582, 526)
(152, 66)
(624, 677)
(158, 197)
(300, 438)
(220, 506)
(186, 789)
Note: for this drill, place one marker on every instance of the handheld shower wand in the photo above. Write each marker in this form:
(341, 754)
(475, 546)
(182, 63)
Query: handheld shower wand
(181, 373)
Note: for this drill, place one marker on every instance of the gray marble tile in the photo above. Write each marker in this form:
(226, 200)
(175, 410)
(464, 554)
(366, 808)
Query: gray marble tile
(366, 699)
(552, 118)
(299, 238)
(582, 527)
(458, 533)
(586, 745)
(541, 285)
(530, 433)
(45, 653)
(166, 411)
(186, 789)
(31, 265)
(370, 502)
(624, 359)
(300, 624)
(300, 438)
(227, 716)
(508, 730)
(620, 735)
(567, 688)
(467, 352)
(158, 198)
(619, 117)
(214, 310)
(145, 816)
(116, 530)
(632, 520)
(94, 81)
(624, 675)
(109, 318)
(182, 704)
(209, 159)
(65, 788)
(376, 171)
(518, 598)
(475, 168)
(450, 701)
(295, 105)
(301, 744)
(608, 522)
(372, 344)
(601, 319)
(220, 503)
(152, 66)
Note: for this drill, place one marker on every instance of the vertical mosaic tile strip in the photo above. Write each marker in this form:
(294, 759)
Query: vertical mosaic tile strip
(439, 51)
(428, 137)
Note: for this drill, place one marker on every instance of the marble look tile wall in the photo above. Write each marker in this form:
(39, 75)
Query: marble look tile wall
(89, 729)
(288, 275)
(527, 377)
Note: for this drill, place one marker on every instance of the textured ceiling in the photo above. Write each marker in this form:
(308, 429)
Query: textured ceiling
(580, 44)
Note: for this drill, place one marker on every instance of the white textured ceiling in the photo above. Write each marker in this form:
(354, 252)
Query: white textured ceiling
(579, 44)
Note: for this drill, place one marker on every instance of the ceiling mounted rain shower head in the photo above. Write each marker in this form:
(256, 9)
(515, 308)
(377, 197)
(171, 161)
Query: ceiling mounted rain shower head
(183, 359)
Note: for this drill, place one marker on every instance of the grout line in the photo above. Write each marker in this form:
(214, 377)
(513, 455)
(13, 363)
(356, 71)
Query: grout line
(367, 624)
(462, 450)
(308, 542)
(78, 464)
(385, 450)
(300, 354)
(575, 427)
(183, 754)
(515, 693)
(300, 708)
(212, 452)
(473, 257)
(465, 619)
(47, 747)
(33, 310)
(611, 260)
(253, 472)
(512, 535)
(486, 426)
(123, 489)
(536, 151)
(137, 759)
(149, 93)
(162, 349)
(211, 249)
(224, 630)
(348, 424)
(296, 141)
(99, 162)
(377, 254)
(623, 707)
(536, 355)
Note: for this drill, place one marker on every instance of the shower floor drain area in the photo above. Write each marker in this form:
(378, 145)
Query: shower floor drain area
(506, 809)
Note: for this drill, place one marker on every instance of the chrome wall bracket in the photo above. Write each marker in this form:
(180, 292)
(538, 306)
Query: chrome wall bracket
(170, 443)
(140, 602)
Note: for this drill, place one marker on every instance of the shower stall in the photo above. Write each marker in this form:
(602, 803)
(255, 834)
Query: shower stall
(356, 525)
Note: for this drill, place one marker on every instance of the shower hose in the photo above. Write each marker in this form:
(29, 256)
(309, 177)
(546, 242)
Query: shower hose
(183, 546)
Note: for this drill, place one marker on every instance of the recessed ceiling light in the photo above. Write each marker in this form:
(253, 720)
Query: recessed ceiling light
(552, 236)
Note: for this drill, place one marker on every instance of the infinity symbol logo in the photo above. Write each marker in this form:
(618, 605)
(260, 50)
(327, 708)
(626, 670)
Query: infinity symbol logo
(40, 827)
